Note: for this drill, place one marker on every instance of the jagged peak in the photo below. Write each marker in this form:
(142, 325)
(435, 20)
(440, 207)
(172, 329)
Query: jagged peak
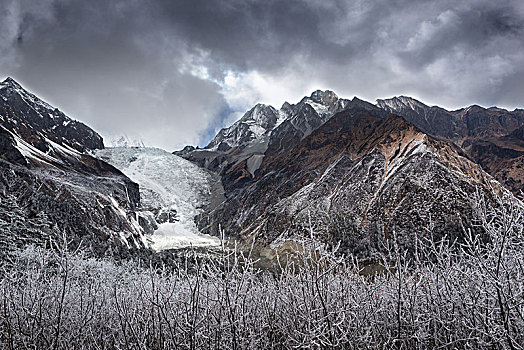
(12, 85)
(261, 106)
(286, 105)
(254, 113)
(10, 82)
(355, 99)
(325, 97)
(399, 102)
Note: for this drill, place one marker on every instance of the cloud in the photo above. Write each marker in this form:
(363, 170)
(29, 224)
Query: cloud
(176, 71)
(447, 52)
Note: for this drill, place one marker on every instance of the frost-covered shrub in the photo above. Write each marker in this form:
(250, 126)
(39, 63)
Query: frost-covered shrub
(448, 295)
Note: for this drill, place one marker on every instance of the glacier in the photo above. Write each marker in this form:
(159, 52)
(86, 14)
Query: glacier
(167, 182)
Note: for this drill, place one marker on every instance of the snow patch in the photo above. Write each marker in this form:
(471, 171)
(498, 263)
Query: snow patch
(319, 108)
(125, 141)
(28, 151)
(281, 117)
(254, 162)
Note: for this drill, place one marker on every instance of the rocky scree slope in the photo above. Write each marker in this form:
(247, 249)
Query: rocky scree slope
(49, 187)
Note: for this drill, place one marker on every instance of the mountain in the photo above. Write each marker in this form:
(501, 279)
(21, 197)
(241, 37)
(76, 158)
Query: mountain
(237, 152)
(258, 123)
(50, 186)
(357, 179)
(125, 141)
(351, 171)
(485, 134)
(502, 157)
(472, 122)
(23, 113)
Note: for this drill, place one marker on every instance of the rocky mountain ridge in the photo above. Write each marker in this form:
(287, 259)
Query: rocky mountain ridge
(356, 179)
(241, 147)
(23, 113)
(50, 186)
(240, 151)
(487, 135)
(460, 125)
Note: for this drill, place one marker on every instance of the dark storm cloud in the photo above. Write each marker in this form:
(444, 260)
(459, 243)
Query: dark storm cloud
(112, 65)
(170, 70)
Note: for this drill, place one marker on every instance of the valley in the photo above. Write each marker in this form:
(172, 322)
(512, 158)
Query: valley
(330, 209)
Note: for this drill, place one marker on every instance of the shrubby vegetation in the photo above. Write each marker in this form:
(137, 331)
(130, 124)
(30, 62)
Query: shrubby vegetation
(465, 295)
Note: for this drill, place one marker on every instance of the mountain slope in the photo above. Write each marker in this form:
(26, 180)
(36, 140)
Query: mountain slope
(356, 179)
(483, 133)
(46, 176)
(356, 172)
(23, 113)
(503, 157)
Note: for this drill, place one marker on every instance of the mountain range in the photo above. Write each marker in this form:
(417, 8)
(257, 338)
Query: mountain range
(50, 187)
(492, 137)
(355, 172)
(342, 171)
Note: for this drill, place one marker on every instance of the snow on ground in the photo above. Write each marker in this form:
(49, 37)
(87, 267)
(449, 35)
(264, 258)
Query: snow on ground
(169, 182)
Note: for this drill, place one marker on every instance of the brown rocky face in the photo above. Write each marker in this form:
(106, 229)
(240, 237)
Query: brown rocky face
(502, 157)
(491, 137)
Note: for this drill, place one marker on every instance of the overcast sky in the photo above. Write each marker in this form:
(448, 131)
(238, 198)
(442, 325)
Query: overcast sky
(173, 72)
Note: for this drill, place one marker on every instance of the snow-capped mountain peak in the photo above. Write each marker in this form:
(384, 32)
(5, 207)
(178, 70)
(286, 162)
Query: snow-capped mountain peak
(125, 141)
(261, 115)
(401, 104)
(257, 124)
(23, 113)
(12, 87)
(10, 82)
(321, 101)
(254, 124)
